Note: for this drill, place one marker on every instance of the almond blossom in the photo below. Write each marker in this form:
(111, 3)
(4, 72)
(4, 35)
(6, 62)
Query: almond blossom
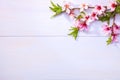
(68, 8)
(99, 9)
(82, 25)
(71, 13)
(113, 31)
(94, 16)
(113, 6)
(91, 18)
(114, 37)
(83, 7)
(67, 5)
(107, 29)
(116, 29)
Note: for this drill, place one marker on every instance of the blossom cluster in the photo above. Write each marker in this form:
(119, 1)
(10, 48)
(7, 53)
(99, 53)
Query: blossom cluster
(97, 13)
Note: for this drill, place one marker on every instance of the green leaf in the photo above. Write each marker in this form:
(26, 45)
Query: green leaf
(117, 10)
(81, 15)
(109, 41)
(53, 4)
(74, 32)
(106, 17)
(52, 9)
(56, 8)
(118, 1)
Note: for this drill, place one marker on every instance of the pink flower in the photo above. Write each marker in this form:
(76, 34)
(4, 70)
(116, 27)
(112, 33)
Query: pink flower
(68, 9)
(94, 16)
(71, 13)
(83, 7)
(67, 5)
(112, 31)
(86, 19)
(99, 9)
(114, 37)
(107, 29)
(81, 25)
(116, 28)
(89, 20)
(113, 6)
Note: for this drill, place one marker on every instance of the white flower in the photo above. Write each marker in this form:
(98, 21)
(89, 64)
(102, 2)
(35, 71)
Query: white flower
(83, 7)
(99, 9)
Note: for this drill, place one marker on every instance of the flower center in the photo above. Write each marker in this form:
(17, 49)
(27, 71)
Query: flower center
(107, 29)
(117, 27)
(84, 24)
(93, 14)
(113, 5)
(66, 6)
(83, 5)
(99, 8)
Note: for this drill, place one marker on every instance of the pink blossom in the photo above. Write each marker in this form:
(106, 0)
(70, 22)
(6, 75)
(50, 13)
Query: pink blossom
(90, 18)
(114, 37)
(99, 9)
(107, 29)
(71, 13)
(112, 31)
(87, 19)
(67, 5)
(94, 16)
(83, 7)
(81, 25)
(113, 6)
(116, 28)
(115, 32)
(68, 9)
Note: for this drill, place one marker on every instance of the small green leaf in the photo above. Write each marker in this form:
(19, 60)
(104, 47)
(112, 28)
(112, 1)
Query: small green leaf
(109, 41)
(74, 32)
(118, 1)
(52, 9)
(117, 10)
(81, 15)
(53, 4)
(106, 17)
(56, 8)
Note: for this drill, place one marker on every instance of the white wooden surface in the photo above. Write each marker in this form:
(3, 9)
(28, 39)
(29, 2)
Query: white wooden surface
(26, 53)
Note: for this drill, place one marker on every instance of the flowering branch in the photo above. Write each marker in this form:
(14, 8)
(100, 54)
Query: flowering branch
(83, 19)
